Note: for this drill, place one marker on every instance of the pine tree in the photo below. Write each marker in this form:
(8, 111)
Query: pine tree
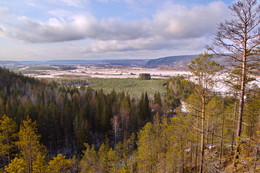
(124, 169)
(113, 161)
(240, 36)
(127, 146)
(147, 155)
(8, 134)
(203, 71)
(252, 113)
(89, 161)
(40, 166)
(18, 165)
(103, 157)
(59, 164)
(214, 109)
(29, 143)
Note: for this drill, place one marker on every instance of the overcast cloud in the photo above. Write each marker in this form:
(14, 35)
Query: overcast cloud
(171, 27)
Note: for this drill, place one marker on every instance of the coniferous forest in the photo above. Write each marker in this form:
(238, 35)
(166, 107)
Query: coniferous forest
(50, 128)
(46, 127)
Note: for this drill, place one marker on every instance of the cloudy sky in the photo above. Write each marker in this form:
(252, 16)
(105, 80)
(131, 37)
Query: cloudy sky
(107, 29)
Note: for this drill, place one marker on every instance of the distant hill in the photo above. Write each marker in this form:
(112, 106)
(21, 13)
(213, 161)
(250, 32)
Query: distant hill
(180, 61)
(59, 62)
(174, 61)
(3, 63)
(127, 62)
(67, 62)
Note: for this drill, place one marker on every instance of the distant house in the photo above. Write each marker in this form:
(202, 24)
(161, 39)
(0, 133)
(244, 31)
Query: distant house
(144, 76)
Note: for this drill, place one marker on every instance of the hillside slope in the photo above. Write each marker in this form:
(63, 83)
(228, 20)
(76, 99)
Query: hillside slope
(174, 61)
(180, 61)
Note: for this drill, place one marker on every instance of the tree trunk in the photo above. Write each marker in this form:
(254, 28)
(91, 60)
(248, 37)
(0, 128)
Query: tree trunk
(191, 153)
(222, 138)
(202, 145)
(222, 131)
(241, 100)
(197, 151)
(207, 132)
(234, 124)
(182, 156)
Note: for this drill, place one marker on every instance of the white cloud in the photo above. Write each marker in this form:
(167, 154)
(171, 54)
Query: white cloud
(172, 27)
(75, 28)
(154, 44)
(180, 22)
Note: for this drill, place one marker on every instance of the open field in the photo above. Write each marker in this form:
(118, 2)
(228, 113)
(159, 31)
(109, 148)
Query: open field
(135, 87)
(108, 78)
(132, 86)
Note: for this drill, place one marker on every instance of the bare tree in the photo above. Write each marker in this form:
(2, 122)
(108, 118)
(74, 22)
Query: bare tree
(241, 37)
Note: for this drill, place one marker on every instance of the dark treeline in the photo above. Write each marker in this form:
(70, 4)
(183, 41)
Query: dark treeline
(68, 117)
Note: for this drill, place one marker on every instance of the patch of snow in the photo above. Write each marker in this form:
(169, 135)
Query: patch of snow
(184, 107)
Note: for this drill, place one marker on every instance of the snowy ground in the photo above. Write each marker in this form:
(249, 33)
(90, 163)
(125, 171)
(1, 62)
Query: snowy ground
(101, 72)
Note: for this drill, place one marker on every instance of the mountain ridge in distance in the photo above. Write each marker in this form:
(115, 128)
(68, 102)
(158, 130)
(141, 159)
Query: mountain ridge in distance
(179, 61)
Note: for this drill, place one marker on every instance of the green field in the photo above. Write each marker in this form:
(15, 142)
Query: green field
(134, 87)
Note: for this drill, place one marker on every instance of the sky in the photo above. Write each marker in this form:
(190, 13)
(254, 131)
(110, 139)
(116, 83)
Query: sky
(38, 30)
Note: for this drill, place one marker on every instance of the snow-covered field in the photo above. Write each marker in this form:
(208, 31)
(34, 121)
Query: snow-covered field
(221, 85)
(102, 72)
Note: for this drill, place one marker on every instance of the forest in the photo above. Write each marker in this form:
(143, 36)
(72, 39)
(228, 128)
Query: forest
(47, 127)
(42, 122)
